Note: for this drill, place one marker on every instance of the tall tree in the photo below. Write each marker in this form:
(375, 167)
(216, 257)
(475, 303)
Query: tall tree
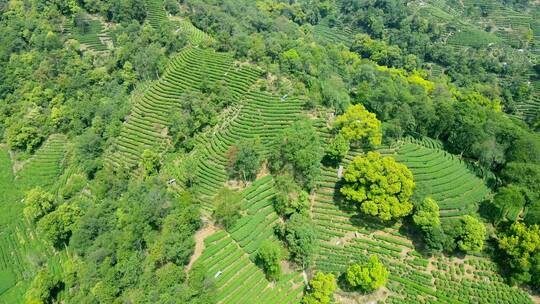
(322, 287)
(38, 203)
(367, 277)
(245, 159)
(379, 186)
(298, 151)
(521, 247)
(227, 210)
(359, 126)
(299, 235)
(269, 257)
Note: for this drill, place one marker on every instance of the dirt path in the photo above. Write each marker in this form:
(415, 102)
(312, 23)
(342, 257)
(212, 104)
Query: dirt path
(199, 243)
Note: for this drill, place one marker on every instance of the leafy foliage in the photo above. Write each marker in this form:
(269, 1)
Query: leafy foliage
(298, 151)
(150, 162)
(367, 277)
(337, 148)
(521, 247)
(57, 226)
(245, 159)
(227, 210)
(269, 257)
(359, 126)
(290, 198)
(38, 203)
(379, 186)
(427, 213)
(473, 233)
(322, 287)
(299, 236)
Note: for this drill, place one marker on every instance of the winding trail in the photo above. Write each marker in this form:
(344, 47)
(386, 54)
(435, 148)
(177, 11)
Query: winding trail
(200, 235)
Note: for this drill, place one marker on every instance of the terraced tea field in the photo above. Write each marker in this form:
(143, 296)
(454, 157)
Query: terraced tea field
(94, 36)
(155, 12)
(344, 237)
(45, 166)
(528, 111)
(229, 255)
(146, 127)
(337, 33)
(442, 176)
(472, 37)
(21, 251)
(194, 35)
(258, 114)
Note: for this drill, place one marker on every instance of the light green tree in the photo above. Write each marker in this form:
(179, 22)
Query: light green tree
(427, 213)
(289, 198)
(298, 151)
(359, 126)
(57, 226)
(38, 203)
(41, 288)
(379, 185)
(367, 277)
(473, 233)
(227, 210)
(521, 246)
(245, 159)
(322, 287)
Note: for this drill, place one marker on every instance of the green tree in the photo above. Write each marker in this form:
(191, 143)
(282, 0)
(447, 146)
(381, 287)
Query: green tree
(175, 242)
(367, 277)
(195, 113)
(321, 289)
(299, 235)
(379, 186)
(289, 198)
(75, 183)
(150, 162)
(245, 159)
(57, 226)
(359, 126)
(426, 216)
(427, 213)
(521, 246)
(523, 174)
(227, 210)
(22, 137)
(38, 203)
(42, 287)
(334, 93)
(337, 148)
(435, 238)
(269, 257)
(149, 61)
(473, 233)
(298, 151)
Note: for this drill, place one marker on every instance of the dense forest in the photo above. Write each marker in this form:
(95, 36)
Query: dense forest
(269, 151)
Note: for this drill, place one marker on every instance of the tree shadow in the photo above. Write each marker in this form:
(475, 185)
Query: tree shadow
(488, 211)
(413, 233)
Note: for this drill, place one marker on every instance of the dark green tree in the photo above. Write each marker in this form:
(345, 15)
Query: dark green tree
(269, 256)
(245, 159)
(227, 210)
(290, 198)
(298, 151)
(299, 236)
